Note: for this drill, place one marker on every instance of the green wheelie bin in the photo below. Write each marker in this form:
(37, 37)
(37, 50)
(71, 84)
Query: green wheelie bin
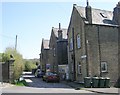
(102, 82)
(107, 82)
(87, 82)
(95, 81)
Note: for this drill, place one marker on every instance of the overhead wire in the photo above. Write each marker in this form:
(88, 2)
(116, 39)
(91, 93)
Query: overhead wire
(6, 36)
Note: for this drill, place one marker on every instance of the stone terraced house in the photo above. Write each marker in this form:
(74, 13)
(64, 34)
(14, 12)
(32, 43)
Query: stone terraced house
(93, 43)
(58, 48)
(44, 56)
(54, 55)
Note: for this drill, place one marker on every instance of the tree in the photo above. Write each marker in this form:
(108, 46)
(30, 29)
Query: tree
(0, 57)
(4, 57)
(18, 64)
(29, 65)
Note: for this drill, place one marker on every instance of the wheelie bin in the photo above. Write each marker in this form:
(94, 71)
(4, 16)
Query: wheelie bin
(102, 82)
(107, 82)
(95, 81)
(87, 82)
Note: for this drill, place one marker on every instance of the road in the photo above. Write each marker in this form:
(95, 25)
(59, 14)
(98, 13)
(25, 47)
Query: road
(36, 85)
(39, 83)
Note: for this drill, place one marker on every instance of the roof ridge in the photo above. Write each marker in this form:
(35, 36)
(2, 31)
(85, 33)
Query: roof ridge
(58, 28)
(95, 8)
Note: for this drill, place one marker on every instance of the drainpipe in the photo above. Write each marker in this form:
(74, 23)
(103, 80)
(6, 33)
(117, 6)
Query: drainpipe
(87, 64)
(86, 52)
(99, 46)
(74, 66)
(119, 50)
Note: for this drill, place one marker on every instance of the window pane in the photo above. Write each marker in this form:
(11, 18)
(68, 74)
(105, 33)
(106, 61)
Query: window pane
(103, 66)
(79, 69)
(78, 41)
(71, 44)
(54, 52)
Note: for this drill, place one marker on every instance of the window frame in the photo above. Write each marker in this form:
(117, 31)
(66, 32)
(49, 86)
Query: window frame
(78, 41)
(79, 69)
(71, 44)
(105, 68)
(54, 52)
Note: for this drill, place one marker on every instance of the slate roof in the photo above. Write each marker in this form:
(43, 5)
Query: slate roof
(64, 32)
(99, 16)
(45, 44)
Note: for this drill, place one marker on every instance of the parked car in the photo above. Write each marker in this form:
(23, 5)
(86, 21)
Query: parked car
(39, 73)
(51, 77)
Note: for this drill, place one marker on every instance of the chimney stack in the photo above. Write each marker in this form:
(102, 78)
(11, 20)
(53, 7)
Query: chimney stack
(87, 3)
(60, 32)
(88, 10)
(116, 14)
(59, 26)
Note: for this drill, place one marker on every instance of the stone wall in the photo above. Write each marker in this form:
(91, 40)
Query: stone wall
(5, 72)
(62, 57)
(0, 71)
(76, 24)
(99, 43)
(102, 46)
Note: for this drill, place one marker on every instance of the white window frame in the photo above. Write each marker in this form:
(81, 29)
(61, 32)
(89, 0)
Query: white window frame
(104, 67)
(71, 44)
(79, 69)
(54, 52)
(78, 41)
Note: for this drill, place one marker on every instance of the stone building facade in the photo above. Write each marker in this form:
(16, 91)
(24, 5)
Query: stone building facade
(44, 56)
(58, 48)
(93, 43)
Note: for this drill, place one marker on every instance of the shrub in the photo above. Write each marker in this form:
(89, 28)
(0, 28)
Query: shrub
(29, 65)
(18, 63)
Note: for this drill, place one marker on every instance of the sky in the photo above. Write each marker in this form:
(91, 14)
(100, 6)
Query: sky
(33, 20)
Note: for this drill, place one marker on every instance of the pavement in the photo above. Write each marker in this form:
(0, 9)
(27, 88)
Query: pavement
(4, 85)
(104, 90)
(19, 89)
(111, 91)
(78, 86)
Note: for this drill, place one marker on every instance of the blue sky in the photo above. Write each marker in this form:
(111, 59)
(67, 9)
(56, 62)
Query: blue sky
(32, 21)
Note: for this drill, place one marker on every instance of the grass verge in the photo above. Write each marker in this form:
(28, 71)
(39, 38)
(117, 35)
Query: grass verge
(21, 83)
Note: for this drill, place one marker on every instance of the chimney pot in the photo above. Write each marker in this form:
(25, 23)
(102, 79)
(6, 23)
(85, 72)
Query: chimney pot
(88, 10)
(59, 26)
(74, 4)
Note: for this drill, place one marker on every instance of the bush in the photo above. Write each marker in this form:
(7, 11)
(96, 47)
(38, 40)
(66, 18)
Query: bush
(21, 83)
(18, 63)
(29, 65)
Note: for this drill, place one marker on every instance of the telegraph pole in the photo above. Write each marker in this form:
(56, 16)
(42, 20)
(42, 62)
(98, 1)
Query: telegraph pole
(16, 43)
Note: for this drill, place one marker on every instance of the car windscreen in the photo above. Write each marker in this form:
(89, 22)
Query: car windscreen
(50, 74)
